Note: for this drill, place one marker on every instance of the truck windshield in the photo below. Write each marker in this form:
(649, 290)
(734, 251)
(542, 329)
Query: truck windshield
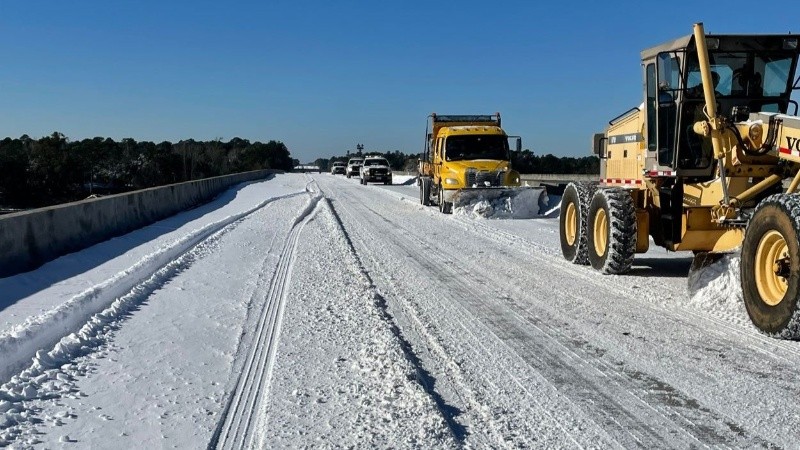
(475, 146)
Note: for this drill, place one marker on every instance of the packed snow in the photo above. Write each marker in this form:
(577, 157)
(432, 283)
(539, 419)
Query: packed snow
(311, 311)
(517, 203)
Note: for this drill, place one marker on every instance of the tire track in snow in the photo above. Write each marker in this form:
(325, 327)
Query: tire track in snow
(668, 412)
(725, 322)
(478, 400)
(564, 361)
(238, 421)
(424, 377)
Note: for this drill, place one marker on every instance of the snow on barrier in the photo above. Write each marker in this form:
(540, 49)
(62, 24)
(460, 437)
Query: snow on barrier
(29, 239)
(74, 318)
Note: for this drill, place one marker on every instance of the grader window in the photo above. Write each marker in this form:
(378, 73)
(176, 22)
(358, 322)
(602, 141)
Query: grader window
(776, 75)
(652, 144)
(743, 74)
(667, 79)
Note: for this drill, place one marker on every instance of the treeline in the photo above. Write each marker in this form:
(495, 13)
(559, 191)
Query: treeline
(523, 161)
(526, 162)
(53, 169)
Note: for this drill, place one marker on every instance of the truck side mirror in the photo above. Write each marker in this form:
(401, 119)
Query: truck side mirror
(519, 144)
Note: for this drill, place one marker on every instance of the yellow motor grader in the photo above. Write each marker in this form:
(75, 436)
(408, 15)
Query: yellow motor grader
(708, 163)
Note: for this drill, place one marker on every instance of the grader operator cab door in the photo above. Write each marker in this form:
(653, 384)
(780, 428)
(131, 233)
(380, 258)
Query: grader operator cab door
(661, 104)
(671, 113)
(673, 104)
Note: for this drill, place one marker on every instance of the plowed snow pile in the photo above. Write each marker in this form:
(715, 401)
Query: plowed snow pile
(525, 204)
(717, 288)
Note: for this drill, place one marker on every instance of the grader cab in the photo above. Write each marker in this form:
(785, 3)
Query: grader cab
(707, 163)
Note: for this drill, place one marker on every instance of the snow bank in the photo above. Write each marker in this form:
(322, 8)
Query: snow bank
(525, 204)
(23, 342)
(405, 180)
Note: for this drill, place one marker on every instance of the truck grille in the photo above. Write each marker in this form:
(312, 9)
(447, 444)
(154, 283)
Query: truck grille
(378, 171)
(480, 177)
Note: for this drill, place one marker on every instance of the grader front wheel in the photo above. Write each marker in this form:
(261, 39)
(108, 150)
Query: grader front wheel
(770, 267)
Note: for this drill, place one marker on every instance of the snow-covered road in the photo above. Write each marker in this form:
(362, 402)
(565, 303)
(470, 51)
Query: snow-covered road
(309, 310)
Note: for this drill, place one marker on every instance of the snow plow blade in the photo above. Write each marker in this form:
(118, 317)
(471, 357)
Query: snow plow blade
(501, 202)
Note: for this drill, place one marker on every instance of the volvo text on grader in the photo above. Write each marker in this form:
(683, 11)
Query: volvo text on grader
(709, 163)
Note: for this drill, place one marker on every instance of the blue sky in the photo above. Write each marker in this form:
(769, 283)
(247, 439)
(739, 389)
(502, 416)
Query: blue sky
(324, 76)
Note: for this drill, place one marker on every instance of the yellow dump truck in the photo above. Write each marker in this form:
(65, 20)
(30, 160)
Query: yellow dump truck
(709, 162)
(465, 156)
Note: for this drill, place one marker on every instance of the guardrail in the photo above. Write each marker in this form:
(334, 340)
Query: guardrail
(30, 238)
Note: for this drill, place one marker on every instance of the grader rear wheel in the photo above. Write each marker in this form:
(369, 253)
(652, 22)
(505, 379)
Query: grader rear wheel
(572, 221)
(770, 266)
(612, 236)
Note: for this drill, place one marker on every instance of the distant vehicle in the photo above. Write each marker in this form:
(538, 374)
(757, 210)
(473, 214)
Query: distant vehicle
(354, 167)
(376, 169)
(338, 167)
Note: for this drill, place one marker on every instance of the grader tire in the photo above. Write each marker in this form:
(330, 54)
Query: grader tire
(770, 267)
(611, 236)
(573, 220)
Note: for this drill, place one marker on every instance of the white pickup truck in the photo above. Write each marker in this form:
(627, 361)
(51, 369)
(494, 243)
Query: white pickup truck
(376, 170)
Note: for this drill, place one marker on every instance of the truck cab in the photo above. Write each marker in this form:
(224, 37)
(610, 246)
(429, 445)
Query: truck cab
(462, 153)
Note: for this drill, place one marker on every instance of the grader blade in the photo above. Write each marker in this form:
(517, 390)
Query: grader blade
(501, 202)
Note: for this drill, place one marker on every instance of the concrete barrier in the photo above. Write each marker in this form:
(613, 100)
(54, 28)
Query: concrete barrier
(535, 179)
(29, 239)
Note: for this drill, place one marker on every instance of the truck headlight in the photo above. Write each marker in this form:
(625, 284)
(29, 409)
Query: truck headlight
(450, 181)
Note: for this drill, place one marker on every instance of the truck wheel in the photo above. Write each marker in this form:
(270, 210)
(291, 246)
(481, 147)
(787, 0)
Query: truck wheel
(611, 237)
(444, 207)
(348, 175)
(572, 221)
(770, 267)
(425, 191)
